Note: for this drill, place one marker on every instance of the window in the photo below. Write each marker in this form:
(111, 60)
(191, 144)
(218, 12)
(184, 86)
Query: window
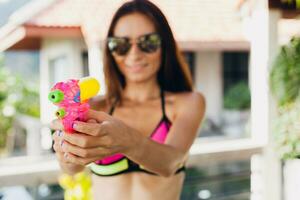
(57, 69)
(223, 79)
(85, 63)
(190, 59)
(235, 68)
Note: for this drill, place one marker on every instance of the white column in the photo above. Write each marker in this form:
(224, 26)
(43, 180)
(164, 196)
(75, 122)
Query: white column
(96, 65)
(44, 86)
(264, 46)
(209, 81)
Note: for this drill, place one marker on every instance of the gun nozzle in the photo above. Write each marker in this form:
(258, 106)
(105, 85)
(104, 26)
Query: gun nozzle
(56, 96)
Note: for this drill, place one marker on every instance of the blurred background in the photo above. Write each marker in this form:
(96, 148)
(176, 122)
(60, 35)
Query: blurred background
(248, 146)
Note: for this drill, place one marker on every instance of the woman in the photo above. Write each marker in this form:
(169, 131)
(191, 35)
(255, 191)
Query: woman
(138, 136)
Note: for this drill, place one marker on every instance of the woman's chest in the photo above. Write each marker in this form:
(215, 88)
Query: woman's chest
(143, 118)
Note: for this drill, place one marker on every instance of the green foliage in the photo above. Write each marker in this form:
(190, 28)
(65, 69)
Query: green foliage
(7, 110)
(285, 86)
(285, 73)
(30, 104)
(297, 2)
(15, 96)
(238, 97)
(287, 132)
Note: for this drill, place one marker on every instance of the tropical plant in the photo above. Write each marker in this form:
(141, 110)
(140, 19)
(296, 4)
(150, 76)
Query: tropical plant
(287, 132)
(237, 97)
(15, 97)
(285, 74)
(6, 107)
(285, 86)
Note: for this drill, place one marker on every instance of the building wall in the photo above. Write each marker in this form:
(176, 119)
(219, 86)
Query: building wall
(209, 81)
(65, 56)
(208, 74)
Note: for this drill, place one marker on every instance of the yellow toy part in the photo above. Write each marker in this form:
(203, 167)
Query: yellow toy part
(89, 87)
(77, 187)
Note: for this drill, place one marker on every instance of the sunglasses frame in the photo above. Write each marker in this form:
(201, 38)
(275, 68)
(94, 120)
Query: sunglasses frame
(140, 41)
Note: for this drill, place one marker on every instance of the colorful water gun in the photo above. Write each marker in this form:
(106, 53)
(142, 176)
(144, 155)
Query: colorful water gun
(72, 99)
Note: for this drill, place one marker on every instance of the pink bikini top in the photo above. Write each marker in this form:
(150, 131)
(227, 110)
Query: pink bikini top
(111, 165)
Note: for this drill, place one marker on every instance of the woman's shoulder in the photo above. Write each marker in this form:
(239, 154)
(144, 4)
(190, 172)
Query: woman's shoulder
(98, 103)
(187, 100)
(184, 97)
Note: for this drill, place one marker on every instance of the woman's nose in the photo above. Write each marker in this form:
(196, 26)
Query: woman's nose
(134, 52)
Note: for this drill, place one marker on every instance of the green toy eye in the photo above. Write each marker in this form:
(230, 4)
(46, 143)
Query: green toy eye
(60, 113)
(56, 96)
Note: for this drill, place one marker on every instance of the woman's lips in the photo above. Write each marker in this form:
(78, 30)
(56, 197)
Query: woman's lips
(135, 68)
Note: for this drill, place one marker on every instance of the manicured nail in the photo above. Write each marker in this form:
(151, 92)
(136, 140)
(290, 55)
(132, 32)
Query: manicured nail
(74, 125)
(65, 155)
(61, 143)
(59, 133)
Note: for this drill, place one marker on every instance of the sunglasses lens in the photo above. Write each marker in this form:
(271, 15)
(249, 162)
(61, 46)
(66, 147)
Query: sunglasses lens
(149, 43)
(118, 45)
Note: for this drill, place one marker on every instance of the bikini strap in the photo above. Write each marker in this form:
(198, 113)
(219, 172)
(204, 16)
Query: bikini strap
(163, 103)
(112, 108)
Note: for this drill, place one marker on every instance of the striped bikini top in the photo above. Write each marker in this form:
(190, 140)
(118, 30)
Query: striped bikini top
(119, 164)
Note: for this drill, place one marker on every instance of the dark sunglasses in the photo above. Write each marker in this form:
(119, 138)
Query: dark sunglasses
(148, 43)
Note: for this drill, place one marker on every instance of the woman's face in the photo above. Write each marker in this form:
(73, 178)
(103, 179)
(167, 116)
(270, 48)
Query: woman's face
(136, 65)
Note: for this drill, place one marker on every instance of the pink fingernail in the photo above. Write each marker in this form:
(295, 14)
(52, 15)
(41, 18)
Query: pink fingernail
(65, 155)
(60, 133)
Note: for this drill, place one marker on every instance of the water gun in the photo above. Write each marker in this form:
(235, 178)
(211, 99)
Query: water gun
(72, 99)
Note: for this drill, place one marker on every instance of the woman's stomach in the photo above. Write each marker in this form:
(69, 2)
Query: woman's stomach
(136, 186)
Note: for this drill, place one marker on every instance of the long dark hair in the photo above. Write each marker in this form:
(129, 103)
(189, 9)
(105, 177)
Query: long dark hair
(174, 74)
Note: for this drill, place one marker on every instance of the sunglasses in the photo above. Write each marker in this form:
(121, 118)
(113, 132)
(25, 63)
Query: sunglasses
(148, 43)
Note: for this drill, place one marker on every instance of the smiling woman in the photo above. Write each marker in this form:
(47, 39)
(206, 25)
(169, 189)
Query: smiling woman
(138, 135)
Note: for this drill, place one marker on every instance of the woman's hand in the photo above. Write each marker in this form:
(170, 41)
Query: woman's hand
(57, 146)
(65, 164)
(94, 141)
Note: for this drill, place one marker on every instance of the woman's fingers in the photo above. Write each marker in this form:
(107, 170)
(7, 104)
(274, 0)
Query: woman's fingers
(86, 141)
(81, 140)
(85, 152)
(93, 129)
(92, 121)
(60, 156)
(57, 148)
(56, 125)
(97, 115)
(78, 160)
(58, 140)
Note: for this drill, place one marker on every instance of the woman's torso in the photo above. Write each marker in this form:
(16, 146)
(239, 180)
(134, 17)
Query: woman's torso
(139, 185)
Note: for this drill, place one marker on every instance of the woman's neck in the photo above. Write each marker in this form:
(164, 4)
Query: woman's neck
(142, 91)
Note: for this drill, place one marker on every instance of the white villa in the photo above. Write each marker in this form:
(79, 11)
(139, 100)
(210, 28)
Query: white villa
(224, 41)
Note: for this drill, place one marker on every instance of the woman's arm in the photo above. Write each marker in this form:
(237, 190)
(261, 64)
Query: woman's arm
(165, 159)
(109, 136)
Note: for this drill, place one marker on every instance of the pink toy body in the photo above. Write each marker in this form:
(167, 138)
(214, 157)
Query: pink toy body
(74, 109)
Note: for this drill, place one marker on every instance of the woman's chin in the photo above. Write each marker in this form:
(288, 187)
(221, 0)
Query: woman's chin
(138, 79)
